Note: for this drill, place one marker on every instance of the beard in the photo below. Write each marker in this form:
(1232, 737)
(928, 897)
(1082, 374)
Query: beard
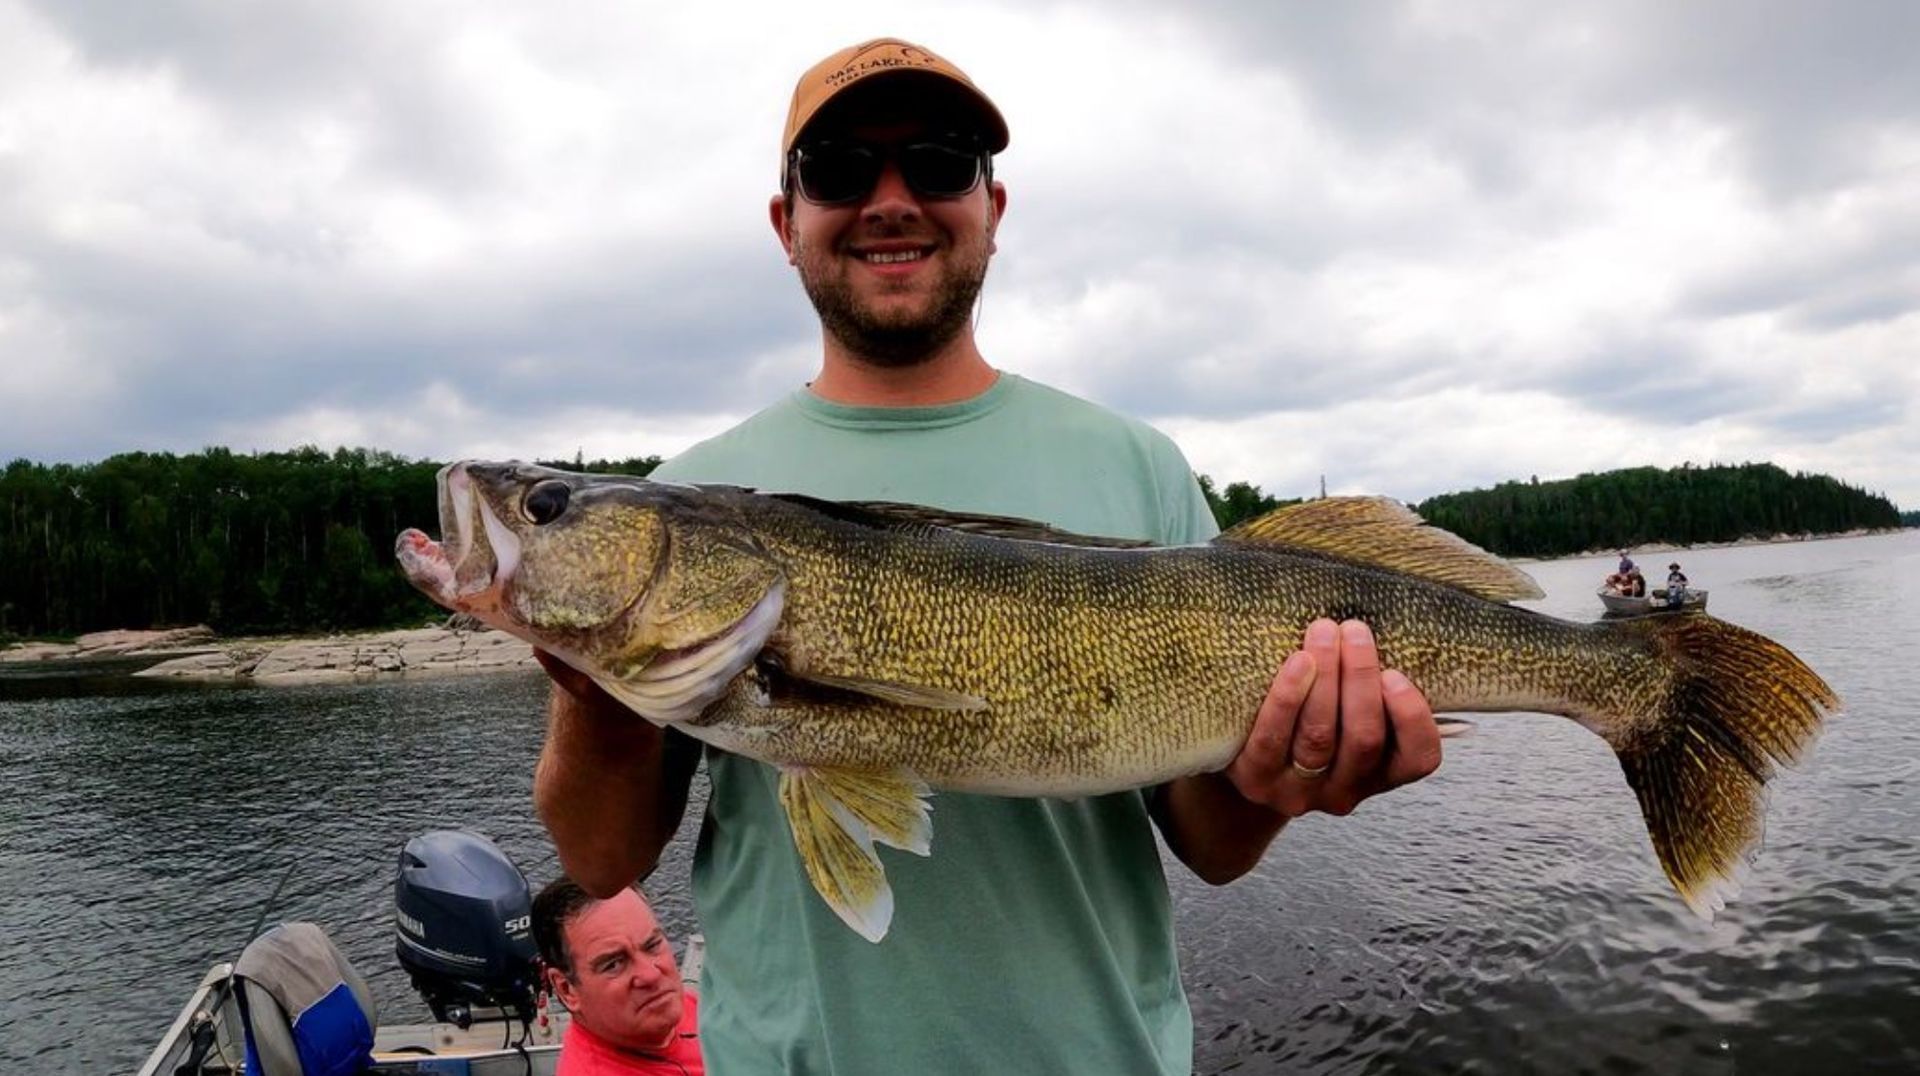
(896, 339)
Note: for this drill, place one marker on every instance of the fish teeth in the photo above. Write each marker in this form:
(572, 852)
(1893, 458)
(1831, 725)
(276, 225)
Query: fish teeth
(459, 526)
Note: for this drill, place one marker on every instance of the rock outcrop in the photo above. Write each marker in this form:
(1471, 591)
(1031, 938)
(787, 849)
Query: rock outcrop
(351, 657)
(109, 644)
(196, 654)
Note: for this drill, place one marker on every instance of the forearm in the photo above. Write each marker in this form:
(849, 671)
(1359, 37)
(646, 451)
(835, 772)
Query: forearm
(611, 788)
(1218, 833)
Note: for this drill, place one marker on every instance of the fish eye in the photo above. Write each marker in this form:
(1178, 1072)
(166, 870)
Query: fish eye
(546, 502)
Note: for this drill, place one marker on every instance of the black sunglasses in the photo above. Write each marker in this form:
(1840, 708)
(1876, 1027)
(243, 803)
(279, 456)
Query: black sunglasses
(834, 173)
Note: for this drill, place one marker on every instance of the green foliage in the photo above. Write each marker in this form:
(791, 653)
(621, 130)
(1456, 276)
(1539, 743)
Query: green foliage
(639, 467)
(1910, 519)
(1685, 505)
(1239, 501)
(281, 541)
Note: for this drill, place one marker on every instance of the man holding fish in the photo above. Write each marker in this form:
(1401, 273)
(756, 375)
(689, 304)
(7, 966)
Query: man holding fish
(1039, 938)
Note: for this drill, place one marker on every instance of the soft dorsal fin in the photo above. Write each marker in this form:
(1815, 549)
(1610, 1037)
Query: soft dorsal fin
(1377, 532)
(888, 515)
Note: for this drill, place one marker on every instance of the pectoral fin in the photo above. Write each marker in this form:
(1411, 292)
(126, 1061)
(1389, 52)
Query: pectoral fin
(930, 698)
(836, 817)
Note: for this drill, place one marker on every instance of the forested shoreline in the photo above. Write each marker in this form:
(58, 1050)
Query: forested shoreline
(303, 541)
(1637, 506)
(257, 543)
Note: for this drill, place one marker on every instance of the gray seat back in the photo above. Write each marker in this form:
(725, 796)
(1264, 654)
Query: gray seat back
(306, 1011)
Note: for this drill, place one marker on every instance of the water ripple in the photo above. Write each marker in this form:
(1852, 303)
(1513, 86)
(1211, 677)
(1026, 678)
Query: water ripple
(1505, 916)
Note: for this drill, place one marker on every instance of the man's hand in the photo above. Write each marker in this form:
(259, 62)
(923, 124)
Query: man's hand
(1334, 729)
(610, 785)
(575, 683)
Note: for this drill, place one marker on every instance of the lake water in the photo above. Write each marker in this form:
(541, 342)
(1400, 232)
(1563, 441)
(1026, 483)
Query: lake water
(1504, 916)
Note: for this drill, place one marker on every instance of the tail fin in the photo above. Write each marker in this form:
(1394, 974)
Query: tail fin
(1737, 705)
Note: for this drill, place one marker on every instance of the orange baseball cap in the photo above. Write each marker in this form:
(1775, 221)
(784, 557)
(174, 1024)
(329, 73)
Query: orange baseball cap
(892, 59)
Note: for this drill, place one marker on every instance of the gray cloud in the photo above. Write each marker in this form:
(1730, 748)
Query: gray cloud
(195, 345)
(273, 72)
(1824, 282)
(1799, 83)
(1641, 217)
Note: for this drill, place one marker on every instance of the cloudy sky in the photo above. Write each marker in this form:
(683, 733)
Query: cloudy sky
(1412, 247)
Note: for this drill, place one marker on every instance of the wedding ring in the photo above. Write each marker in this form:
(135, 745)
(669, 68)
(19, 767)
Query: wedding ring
(1310, 772)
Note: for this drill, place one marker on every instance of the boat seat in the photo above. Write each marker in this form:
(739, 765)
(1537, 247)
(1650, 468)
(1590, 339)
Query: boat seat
(305, 1010)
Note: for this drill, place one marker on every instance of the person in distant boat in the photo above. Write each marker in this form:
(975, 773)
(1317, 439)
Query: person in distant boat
(1676, 585)
(1621, 581)
(1636, 586)
(610, 964)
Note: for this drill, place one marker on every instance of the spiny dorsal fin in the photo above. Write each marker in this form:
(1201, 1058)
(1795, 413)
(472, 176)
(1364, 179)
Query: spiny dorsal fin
(888, 515)
(1380, 533)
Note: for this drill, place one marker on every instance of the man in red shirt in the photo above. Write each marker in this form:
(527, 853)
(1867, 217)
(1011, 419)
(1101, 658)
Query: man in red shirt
(609, 963)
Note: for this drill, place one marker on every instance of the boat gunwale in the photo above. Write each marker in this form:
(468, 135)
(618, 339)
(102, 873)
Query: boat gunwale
(215, 981)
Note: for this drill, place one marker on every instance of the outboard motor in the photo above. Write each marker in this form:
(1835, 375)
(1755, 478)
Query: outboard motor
(463, 928)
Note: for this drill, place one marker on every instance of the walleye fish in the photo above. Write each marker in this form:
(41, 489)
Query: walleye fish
(876, 652)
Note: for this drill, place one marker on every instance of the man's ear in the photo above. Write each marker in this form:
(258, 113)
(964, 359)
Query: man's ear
(562, 988)
(782, 222)
(996, 208)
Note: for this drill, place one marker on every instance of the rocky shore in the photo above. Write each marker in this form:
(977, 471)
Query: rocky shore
(197, 654)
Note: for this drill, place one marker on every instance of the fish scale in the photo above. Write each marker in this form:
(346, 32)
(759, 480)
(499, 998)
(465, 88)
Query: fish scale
(876, 653)
(1082, 661)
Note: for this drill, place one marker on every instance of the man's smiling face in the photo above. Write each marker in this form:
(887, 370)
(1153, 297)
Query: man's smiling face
(893, 274)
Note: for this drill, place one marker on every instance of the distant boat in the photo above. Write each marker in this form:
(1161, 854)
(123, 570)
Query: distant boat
(1655, 602)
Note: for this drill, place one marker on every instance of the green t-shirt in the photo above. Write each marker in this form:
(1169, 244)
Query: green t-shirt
(1038, 936)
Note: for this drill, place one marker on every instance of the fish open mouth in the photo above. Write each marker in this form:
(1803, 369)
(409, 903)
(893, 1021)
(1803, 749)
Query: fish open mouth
(425, 563)
(477, 555)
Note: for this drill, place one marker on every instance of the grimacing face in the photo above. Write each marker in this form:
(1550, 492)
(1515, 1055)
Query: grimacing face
(625, 986)
(894, 276)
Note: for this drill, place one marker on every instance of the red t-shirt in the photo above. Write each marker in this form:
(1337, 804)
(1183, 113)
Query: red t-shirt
(582, 1053)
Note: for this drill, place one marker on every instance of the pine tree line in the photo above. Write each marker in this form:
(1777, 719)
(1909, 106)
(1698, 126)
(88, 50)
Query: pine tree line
(272, 542)
(1685, 505)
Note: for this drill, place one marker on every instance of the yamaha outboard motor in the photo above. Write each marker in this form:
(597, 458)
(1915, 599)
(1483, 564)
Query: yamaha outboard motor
(463, 928)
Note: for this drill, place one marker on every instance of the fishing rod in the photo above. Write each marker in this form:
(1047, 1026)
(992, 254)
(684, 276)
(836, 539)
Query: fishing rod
(205, 1030)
